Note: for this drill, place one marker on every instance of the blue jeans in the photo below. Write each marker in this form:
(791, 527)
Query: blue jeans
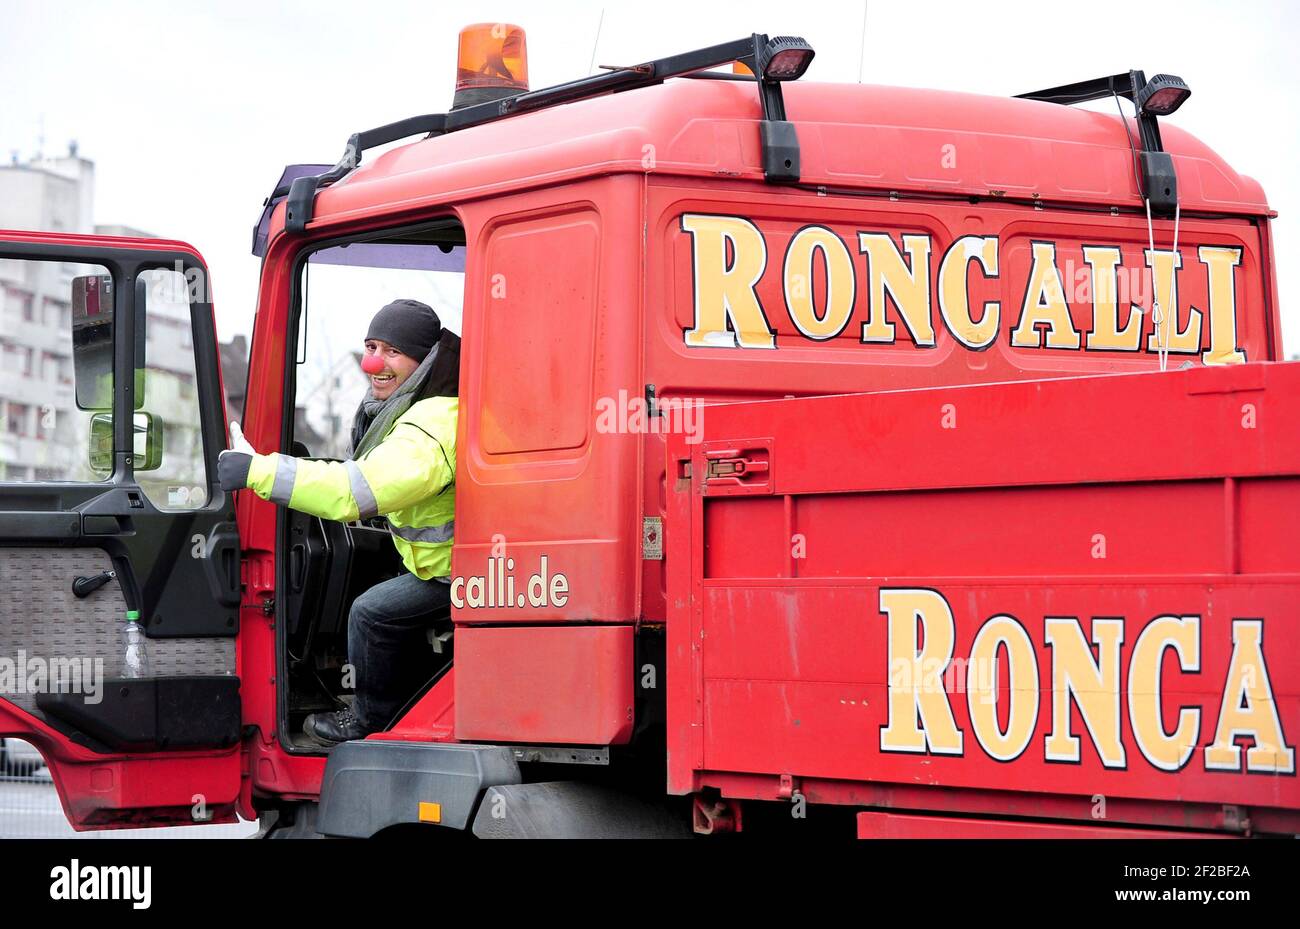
(387, 646)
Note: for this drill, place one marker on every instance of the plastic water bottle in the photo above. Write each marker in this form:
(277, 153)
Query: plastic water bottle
(135, 661)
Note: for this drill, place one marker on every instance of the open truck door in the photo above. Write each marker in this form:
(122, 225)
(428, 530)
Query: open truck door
(110, 514)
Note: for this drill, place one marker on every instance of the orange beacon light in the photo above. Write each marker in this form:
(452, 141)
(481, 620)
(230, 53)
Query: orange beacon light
(492, 63)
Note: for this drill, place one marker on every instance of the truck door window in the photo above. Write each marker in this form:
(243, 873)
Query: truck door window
(341, 288)
(45, 418)
(166, 390)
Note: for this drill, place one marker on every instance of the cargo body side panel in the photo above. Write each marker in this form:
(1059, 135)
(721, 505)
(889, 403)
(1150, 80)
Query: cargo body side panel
(1005, 536)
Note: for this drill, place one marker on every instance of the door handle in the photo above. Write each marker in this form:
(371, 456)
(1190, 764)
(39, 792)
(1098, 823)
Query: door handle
(222, 564)
(298, 567)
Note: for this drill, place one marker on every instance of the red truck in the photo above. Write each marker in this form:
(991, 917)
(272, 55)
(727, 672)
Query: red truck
(831, 456)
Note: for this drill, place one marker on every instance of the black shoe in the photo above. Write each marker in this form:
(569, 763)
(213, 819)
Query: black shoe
(330, 729)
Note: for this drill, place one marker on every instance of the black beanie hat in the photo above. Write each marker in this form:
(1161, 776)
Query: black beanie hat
(411, 327)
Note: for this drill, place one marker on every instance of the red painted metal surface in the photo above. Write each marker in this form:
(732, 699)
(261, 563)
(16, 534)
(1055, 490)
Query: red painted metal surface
(126, 789)
(1120, 499)
(535, 478)
(799, 366)
(1005, 800)
(909, 826)
(851, 135)
(561, 685)
(432, 719)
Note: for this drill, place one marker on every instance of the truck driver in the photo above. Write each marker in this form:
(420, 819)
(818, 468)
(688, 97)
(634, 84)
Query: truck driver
(403, 466)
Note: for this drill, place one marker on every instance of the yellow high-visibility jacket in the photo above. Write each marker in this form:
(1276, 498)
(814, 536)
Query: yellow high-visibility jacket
(410, 477)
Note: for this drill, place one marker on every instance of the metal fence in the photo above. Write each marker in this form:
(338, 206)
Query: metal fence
(29, 806)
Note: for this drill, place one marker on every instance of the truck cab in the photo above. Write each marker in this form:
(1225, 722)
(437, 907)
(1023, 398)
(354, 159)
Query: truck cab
(697, 310)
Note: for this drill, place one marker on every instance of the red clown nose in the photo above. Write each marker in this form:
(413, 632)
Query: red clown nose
(372, 364)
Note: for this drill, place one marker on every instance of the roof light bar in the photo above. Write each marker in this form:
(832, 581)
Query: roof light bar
(784, 58)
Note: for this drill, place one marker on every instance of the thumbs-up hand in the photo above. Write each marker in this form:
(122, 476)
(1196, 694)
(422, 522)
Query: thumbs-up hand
(234, 462)
(237, 441)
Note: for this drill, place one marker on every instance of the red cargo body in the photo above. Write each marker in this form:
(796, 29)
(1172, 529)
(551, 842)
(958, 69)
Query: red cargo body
(1088, 508)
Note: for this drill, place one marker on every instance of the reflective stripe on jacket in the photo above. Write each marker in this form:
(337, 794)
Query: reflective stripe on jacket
(410, 477)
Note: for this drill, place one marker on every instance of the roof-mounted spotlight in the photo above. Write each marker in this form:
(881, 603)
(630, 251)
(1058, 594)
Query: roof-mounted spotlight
(1162, 95)
(785, 58)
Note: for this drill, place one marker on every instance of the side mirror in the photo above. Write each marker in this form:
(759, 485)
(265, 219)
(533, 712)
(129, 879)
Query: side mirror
(92, 341)
(92, 345)
(147, 448)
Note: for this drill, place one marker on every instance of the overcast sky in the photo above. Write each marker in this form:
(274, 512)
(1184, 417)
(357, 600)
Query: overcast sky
(189, 111)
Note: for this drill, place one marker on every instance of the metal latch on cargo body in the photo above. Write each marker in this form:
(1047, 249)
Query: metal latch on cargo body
(738, 468)
(734, 469)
